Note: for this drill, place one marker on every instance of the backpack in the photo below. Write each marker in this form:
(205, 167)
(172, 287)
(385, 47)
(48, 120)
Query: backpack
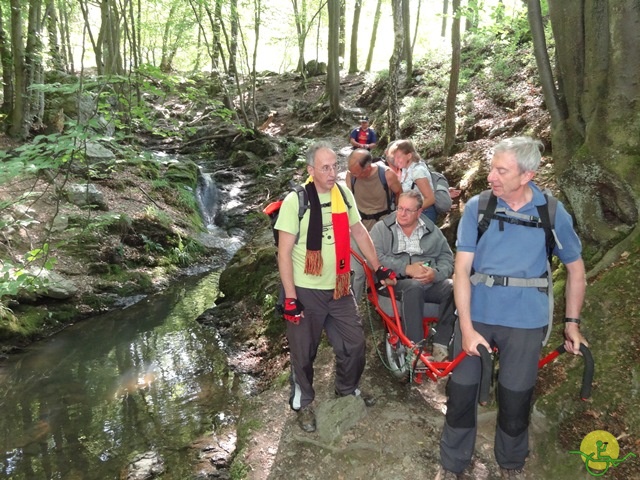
(273, 209)
(487, 211)
(441, 192)
(389, 194)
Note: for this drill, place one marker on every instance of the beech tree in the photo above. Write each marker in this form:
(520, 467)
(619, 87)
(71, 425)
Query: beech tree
(594, 102)
(374, 34)
(450, 115)
(353, 57)
(333, 63)
(394, 72)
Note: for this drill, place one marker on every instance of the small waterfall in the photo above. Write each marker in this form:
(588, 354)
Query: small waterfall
(208, 198)
(213, 203)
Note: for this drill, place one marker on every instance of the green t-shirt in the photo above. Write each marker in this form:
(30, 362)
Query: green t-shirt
(288, 222)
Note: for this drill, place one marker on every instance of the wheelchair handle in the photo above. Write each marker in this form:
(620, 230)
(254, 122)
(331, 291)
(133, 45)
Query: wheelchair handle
(485, 378)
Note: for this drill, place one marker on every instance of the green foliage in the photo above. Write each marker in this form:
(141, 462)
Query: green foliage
(184, 253)
(154, 214)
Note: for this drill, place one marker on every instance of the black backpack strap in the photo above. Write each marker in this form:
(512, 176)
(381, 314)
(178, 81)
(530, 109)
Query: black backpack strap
(547, 213)
(486, 207)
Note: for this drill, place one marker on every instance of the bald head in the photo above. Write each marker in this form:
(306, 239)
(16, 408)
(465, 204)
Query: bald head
(359, 159)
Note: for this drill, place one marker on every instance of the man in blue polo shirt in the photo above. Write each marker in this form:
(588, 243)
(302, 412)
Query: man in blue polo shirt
(512, 318)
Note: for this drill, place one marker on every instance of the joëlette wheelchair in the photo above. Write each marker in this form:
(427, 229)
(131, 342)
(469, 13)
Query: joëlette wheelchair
(419, 363)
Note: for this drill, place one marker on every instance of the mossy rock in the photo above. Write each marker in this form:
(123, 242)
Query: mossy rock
(185, 173)
(248, 274)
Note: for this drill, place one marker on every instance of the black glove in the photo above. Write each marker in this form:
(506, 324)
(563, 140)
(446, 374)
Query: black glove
(292, 310)
(384, 273)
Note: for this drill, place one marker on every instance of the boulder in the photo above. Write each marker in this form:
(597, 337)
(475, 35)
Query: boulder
(86, 195)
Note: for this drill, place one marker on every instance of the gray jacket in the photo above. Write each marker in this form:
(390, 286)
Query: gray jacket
(434, 246)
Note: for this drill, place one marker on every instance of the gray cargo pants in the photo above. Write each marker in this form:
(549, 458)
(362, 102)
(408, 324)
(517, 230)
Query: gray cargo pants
(519, 354)
(342, 323)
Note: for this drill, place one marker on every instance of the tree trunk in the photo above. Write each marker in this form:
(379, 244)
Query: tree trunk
(55, 52)
(233, 44)
(167, 42)
(333, 63)
(7, 69)
(394, 71)
(18, 127)
(34, 107)
(450, 115)
(374, 34)
(415, 33)
(472, 15)
(445, 9)
(300, 19)
(342, 44)
(596, 143)
(66, 36)
(353, 58)
(406, 48)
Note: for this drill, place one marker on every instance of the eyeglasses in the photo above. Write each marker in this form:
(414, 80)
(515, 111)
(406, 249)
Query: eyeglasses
(407, 210)
(328, 168)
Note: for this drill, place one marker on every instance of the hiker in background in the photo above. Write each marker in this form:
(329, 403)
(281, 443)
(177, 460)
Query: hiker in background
(415, 175)
(500, 302)
(417, 251)
(314, 263)
(363, 136)
(374, 187)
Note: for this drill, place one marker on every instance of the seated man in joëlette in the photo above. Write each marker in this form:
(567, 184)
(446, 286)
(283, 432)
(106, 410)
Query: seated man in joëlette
(417, 251)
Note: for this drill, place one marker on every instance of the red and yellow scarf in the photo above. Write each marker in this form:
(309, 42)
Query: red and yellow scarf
(341, 234)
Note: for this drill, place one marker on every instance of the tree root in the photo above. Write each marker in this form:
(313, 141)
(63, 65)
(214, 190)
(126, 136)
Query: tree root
(615, 252)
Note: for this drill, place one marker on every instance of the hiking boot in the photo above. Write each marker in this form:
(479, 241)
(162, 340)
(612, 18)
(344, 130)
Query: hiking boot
(440, 352)
(512, 474)
(447, 475)
(307, 419)
(369, 400)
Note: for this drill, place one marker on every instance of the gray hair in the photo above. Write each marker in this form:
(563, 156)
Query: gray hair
(528, 152)
(414, 194)
(313, 149)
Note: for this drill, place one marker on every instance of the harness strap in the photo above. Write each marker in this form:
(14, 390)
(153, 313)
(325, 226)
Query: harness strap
(498, 280)
(374, 216)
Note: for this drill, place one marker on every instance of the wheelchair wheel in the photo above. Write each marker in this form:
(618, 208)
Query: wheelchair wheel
(397, 359)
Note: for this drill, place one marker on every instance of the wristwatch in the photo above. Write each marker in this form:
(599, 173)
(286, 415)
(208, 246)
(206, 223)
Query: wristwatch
(572, 320)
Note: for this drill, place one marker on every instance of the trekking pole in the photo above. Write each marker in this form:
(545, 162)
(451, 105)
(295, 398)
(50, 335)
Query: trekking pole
(589, 367)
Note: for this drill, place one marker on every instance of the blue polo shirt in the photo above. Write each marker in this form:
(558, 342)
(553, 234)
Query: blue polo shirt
(516, 251)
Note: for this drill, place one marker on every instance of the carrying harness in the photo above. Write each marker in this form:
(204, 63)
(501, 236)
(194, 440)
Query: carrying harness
(273, 209)
(390, 207)
(488, 211)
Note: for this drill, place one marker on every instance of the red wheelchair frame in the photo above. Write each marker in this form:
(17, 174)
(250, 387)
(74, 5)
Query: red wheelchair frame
(397, 340)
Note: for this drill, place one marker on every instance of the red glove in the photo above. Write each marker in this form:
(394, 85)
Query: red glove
(384, 273)
(292, 310)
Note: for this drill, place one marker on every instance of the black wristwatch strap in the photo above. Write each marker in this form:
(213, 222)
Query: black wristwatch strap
(572, 320)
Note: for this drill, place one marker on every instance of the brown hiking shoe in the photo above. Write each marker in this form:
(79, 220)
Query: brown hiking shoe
(307, 419)
(447, 475)
(512, 474)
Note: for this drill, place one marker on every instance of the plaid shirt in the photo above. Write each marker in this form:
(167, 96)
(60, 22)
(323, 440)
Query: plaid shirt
(410, 244)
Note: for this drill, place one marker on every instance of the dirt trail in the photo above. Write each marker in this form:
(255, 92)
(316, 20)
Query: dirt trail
(397, 439)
